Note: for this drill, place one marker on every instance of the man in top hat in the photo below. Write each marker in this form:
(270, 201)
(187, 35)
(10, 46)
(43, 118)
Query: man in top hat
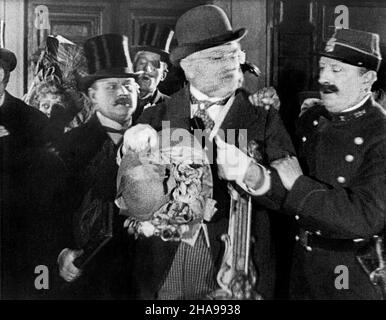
(152, 58)
(209, 52)
(339, 202)
(89, 153)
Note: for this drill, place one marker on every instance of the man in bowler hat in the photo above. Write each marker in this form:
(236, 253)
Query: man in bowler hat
(339, 203)
(89, 153)
(210, 54)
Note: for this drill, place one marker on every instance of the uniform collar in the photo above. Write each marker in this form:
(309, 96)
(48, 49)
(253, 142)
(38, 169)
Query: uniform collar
(352, 113)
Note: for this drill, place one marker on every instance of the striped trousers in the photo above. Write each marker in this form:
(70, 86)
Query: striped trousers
(192, 274)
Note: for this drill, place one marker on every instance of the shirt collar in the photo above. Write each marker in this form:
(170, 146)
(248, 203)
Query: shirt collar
(107, 122)
(202, 96)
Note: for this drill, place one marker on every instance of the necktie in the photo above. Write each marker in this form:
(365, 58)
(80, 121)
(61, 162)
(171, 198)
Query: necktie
(202, 111)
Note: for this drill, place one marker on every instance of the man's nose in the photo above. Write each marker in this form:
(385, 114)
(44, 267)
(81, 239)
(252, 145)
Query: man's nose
(325, 76)
(122, 90)
(148, 67)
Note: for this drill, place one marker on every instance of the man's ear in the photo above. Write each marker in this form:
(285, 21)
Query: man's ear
(164, 75)
(188, 69)
(91, 95)
(2, 74)
(370, 77)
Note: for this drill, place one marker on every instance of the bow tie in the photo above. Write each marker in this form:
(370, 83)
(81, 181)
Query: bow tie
(205, 104)
(112, 130)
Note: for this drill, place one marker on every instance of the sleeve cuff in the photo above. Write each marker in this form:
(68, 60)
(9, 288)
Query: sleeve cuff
(256, 181)
(61, 253)
(302, 189)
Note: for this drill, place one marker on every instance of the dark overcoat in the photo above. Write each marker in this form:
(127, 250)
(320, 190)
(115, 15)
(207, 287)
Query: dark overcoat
(153, 257)
(341, 196)
(90, 158)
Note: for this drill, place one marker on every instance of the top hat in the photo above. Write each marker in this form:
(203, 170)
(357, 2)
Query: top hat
(107, 56)
(155, 38)
(8, 59)
(201, 28)
(358, 48)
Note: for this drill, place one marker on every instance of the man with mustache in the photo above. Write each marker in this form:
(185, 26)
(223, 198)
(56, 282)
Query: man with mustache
(339, 202)
(210, 55)
(89, 153)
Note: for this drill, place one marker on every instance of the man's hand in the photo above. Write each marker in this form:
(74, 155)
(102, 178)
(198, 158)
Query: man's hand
(67, 269)
(3, 132)
(139, 138)
(232, 162)
(266, 97)
(309, 103)
(289, 170)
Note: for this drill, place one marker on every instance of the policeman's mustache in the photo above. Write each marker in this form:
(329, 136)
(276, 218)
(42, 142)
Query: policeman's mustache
(328, 88)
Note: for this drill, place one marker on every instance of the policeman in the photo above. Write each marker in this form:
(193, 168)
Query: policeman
(339, 201)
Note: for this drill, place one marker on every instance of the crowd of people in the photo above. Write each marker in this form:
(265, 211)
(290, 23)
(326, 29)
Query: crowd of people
(316, 207)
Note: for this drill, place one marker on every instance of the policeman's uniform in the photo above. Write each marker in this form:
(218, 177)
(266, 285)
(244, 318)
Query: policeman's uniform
(340, 201)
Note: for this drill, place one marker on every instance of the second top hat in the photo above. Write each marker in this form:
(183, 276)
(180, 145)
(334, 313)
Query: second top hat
(107, 56)
(155, 38)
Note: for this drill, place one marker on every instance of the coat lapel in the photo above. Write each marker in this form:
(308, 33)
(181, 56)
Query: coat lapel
(241, 112)
(178, 111)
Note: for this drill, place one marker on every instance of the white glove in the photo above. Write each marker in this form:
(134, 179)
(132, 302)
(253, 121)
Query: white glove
(266, 97)
(67, 269)
(139, 138)
(232, 162)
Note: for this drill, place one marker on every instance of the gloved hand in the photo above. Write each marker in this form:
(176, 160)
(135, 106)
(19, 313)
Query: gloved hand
(289, 170)
(139, 138)
(232, 162)
(266, 97)
(67, 269)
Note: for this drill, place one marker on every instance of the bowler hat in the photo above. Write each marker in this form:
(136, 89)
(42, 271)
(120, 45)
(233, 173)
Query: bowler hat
(201, 28)
(155, 38)
(7, 59)
(107, 56)
(355, 47)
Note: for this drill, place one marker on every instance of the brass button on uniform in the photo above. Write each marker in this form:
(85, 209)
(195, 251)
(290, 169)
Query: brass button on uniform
(315, 123)
(297, 217)
(349, 158)
(358, 140)
(341, 179)
(304, 139)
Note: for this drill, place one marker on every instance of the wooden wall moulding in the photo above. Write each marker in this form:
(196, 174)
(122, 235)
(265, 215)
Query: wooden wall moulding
(76, 21)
